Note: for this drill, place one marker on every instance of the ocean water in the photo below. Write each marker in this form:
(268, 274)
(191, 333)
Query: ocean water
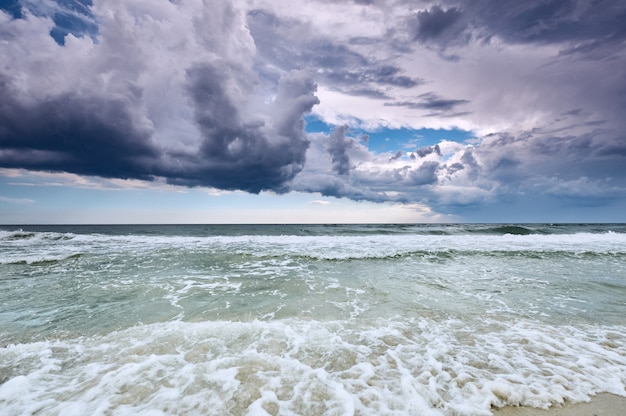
(309, 319)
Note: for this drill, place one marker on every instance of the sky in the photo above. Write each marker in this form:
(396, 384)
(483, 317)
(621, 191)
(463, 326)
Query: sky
(312, 111)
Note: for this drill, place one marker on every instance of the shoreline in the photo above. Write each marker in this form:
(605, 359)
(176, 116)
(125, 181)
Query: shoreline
(603, 404)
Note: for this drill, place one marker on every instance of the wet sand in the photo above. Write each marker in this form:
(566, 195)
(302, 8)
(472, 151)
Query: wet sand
(601, 405)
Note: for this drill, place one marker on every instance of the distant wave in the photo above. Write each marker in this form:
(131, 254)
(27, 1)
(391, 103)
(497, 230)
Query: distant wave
(509, 229)
(19, 235)
(40, 260)
(16, 235)
(53, 232)
(441, 255)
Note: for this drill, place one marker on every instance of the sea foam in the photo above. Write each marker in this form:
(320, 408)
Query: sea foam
(310, 367)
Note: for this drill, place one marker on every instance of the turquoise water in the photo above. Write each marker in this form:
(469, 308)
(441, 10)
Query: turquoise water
(309, 319)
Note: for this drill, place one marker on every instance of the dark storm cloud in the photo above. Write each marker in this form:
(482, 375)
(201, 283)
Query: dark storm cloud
(95, 118)
(586, 26)
(73, 133)
(303, 48)
(615, 148)
(338, 187)
(382, 75)
(455, 167)
(550, 21)
(324, 53)
(550, 164)
(425, 151)
(470, 163)
(98, 136)
(366, 92)
(396, 156)
(432, 23)
(239, 154)
(438, 25)
(425, 174)
(431, 101)
(364, 40)
(338, 146)
(335, 63)
(355, 82)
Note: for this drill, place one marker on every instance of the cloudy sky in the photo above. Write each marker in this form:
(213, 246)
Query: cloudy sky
(191, 111)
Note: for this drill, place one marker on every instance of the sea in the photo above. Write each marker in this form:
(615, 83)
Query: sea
(426, 319)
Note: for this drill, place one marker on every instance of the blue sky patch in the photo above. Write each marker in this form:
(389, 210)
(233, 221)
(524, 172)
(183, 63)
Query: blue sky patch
(12, 7)
(69, 16)
(391, 140)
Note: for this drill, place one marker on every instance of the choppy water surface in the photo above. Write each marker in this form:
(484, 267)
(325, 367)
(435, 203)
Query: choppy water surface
(354, 319)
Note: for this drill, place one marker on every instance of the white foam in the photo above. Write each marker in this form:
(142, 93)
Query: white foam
(424, 367)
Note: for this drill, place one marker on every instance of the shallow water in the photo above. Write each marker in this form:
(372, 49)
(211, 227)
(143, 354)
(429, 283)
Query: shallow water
(348, 319)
